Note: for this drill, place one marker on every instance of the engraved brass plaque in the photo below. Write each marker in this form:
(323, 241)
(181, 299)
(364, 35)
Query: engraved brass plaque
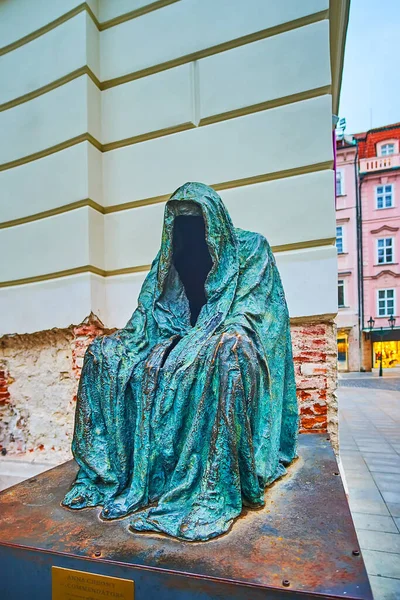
(68, 584)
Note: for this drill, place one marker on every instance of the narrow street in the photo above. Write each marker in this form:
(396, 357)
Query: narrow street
(369, 425)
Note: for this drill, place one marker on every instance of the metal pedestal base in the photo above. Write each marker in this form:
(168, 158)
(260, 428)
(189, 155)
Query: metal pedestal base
(301, 545)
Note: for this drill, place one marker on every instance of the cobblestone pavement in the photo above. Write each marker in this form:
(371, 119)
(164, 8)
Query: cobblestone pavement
(392, 384)
(369, 427)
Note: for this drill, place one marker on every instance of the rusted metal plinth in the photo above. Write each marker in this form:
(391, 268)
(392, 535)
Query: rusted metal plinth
(301, 545)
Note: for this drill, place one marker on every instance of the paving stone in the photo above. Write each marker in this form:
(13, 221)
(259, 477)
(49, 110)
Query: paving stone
(362, 483)
(383, 467)
(370, 495)
(378, 449)
(387, 477)
(379, 540)
(382, 457)
(394, 508)
(369, 506)
(389, 486)
(382, 563)
(374, 522)
(384, 588)
(392, 497)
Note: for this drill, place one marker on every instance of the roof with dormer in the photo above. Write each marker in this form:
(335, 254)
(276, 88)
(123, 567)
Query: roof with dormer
(367, 142)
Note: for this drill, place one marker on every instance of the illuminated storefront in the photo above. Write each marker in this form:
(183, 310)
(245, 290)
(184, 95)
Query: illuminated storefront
(390, 353)
(385, 343)
(343, 350)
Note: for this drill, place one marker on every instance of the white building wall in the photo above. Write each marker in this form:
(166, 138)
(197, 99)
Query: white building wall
(109, 108)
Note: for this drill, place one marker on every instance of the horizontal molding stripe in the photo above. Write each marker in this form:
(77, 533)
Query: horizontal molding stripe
(55, 275)
(45, 29)
(217, 49)
(323, 166)
(133, 14)
(268, 104)
(59, 210)
(83, 137)
(270, 32)
(328, 165)
(51, 86)
(304, 245)
(150, 135)
(137, 268)
(74, 271)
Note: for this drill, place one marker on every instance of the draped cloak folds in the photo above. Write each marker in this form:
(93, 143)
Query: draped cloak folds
(181, 424)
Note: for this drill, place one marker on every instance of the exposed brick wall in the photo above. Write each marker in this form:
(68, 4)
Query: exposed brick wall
(4, 381)
(37, 404)
(7, 414)
(315, 355)
(38, 418)
(83, 335)
(39, 376)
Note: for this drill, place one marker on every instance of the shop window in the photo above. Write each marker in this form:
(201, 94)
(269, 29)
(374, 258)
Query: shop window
(342, 345)
(390, 351)
(339, 239)
(341, 293)
(339, 183)
(387, 149)
(386, 300)
(384, 196)
(385, 250)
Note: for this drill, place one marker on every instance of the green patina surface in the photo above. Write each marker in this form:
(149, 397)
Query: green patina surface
(190, 411)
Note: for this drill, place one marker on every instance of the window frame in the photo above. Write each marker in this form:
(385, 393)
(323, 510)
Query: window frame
(342, 238)
(386, 145)
(340, 173)
(341, 283)
(385, 246)
(384, 193)
(385, 300)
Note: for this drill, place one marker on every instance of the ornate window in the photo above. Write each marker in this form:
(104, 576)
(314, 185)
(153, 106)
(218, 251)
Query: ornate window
(386, 300)
(385, 250)
(384, 196)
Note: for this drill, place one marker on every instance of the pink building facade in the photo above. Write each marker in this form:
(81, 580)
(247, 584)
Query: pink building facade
(368, 244)
(379, 168)
(347, 320)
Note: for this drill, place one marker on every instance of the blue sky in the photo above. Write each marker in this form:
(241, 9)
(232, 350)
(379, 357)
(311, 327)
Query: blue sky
(370, 94)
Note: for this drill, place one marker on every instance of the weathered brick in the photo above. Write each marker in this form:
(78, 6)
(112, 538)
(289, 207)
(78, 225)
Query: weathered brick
(314, 423)
(314, 356)
(84, 334)
(310, 368)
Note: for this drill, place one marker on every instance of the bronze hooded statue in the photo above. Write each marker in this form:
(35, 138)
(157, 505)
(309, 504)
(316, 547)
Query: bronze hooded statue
(190, 411)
